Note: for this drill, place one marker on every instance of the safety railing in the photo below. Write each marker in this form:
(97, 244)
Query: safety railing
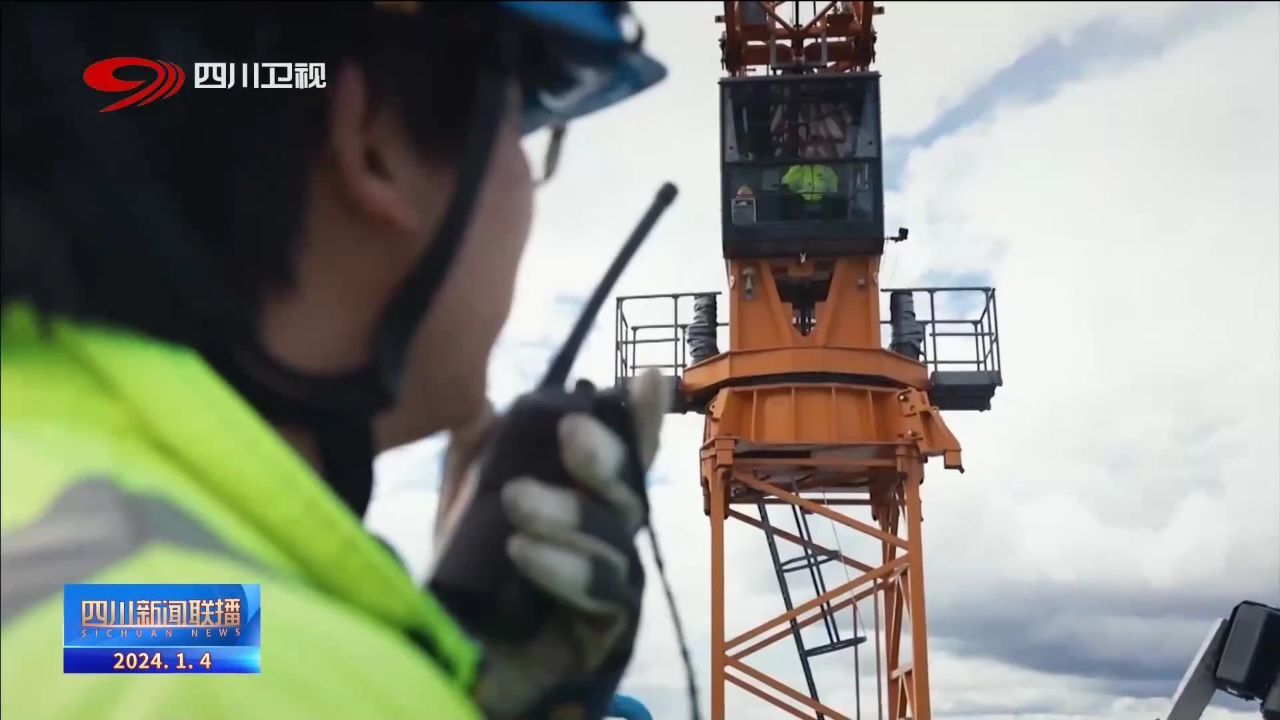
(961, 327)
(960, 330)
(652, 331)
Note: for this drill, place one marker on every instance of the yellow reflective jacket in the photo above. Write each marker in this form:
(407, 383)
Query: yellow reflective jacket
(127, 460)
(811, 181)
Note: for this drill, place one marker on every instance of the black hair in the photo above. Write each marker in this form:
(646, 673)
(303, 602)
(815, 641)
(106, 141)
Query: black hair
(231, 164)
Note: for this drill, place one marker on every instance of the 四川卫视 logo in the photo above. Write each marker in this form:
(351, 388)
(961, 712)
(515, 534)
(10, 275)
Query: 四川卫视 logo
(167, 81)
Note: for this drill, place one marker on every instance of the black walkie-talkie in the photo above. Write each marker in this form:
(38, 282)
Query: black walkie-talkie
(474, 577)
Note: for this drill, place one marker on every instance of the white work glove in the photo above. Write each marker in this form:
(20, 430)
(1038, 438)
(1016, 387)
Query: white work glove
(578, 545)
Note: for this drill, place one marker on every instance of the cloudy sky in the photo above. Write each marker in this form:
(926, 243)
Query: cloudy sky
(1114, 170)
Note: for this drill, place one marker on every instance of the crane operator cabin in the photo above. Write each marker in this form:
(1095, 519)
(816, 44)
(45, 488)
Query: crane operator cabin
(802, 169)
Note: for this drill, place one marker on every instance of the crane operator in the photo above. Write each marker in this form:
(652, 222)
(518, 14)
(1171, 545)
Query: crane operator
(219, 306)
(812, 181)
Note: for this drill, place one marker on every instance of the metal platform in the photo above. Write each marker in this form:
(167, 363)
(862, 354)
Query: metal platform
(652, 331)
(960, 347)
(961, 350)
(964, 389)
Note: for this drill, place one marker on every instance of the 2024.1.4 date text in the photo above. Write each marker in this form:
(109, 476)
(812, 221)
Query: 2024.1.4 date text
(160, 661)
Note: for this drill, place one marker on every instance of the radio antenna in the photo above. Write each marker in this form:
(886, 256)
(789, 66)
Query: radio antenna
(558, 374)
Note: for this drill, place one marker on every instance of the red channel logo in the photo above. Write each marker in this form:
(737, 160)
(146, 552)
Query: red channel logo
(101, 76)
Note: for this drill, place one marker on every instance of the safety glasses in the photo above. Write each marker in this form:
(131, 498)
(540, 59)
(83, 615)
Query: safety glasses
(562, 79)
(557, 80)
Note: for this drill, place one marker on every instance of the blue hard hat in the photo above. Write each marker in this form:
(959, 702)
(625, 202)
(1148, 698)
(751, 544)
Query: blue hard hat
(598, 65)
(628, 708)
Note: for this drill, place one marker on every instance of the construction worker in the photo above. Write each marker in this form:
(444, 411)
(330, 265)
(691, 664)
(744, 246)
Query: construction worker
(811, 181)
(219, 305)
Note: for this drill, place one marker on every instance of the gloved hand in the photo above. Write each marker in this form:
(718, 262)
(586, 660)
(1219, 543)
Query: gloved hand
(578, 545)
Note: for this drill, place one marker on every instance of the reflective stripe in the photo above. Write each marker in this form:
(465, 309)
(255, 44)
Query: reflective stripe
(94, 525)
(91, 526)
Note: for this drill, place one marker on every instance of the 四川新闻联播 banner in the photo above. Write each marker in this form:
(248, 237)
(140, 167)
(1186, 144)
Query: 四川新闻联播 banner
(186, 629)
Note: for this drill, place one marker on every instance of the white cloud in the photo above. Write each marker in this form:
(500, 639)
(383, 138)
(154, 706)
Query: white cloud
(1125, 487)
(1137, 270)
(1131, 225)
(933, 54)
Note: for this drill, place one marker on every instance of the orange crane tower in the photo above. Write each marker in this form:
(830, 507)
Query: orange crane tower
(822, 406)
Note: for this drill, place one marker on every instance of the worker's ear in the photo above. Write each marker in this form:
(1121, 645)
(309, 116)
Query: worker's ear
(377, 164)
